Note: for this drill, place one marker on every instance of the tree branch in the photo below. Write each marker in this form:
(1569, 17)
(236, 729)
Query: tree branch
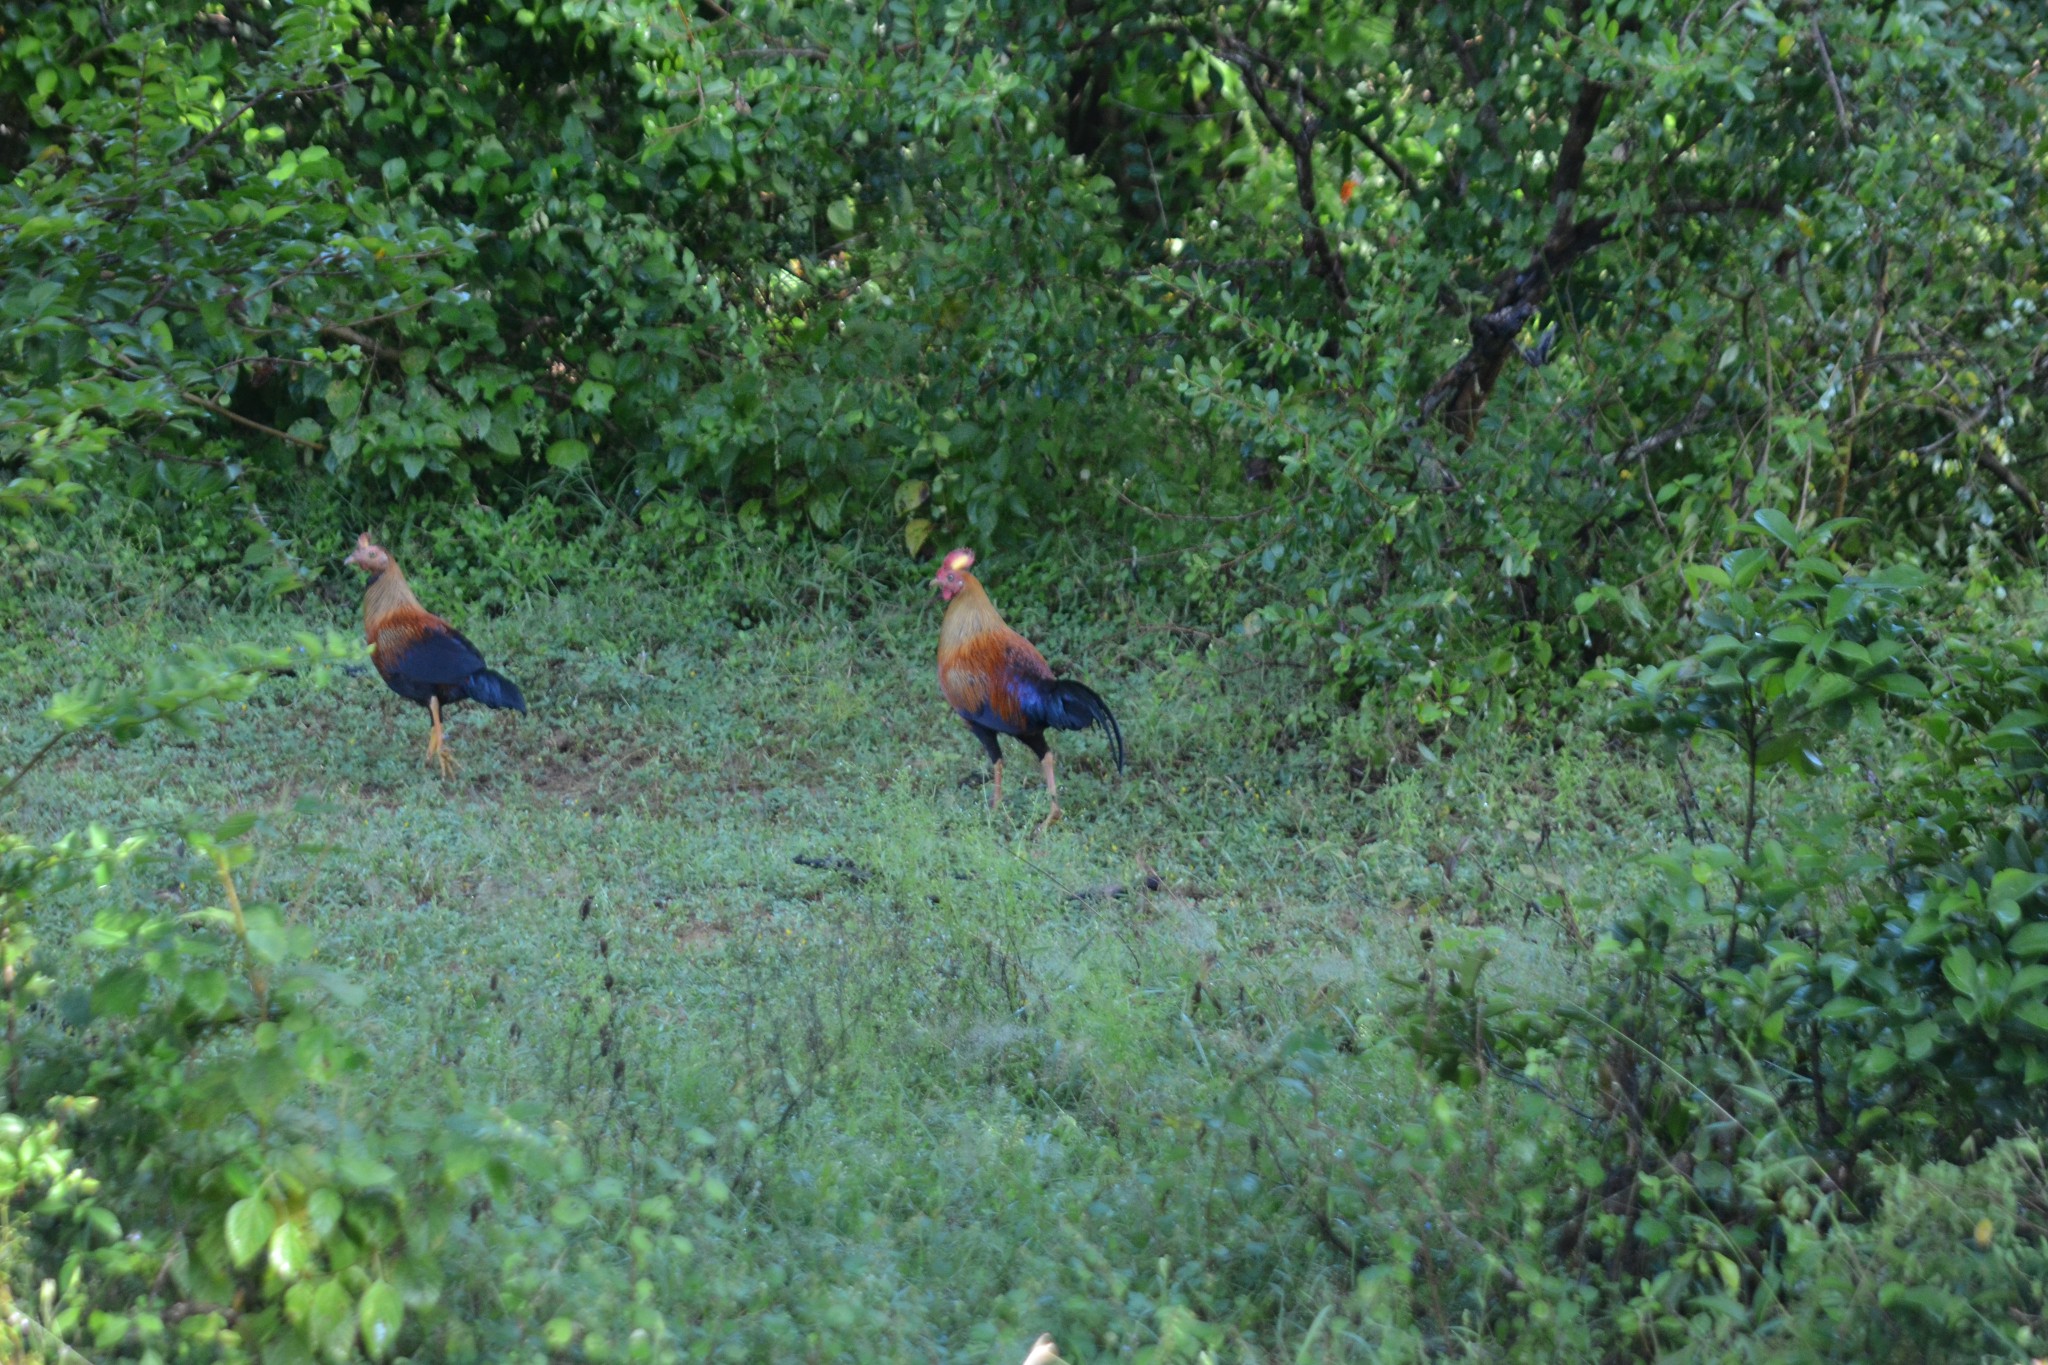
(1379, 150)
(371, 347)
(1571, 157)
(1827, 69)
(219, 411)
(1300, 140)
(1459, 397)
(1996, 468)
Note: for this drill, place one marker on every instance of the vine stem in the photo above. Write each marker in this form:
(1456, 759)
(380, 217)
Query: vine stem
(25, 769)
(227, 882)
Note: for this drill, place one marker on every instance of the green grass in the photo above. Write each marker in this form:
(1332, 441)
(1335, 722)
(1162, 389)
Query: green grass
(971, 1085)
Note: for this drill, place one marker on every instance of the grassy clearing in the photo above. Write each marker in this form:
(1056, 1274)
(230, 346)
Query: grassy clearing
(963, 1084)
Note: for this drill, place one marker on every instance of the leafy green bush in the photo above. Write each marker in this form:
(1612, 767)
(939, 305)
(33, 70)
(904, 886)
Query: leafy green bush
(209, 1183)
(1807, 1005)
(1410, 347)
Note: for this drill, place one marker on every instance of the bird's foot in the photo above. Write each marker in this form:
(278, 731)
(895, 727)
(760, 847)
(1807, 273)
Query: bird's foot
(447, 763)
(1050, 816)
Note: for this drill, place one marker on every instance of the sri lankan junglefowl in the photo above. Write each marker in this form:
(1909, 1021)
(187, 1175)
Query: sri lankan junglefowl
(999, 684)
(420, 656)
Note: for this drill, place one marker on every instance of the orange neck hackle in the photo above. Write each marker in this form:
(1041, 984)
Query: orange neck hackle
(968, 613)
(387, 590)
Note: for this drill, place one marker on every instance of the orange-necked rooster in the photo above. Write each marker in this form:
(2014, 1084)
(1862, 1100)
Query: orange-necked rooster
(421, 657)
(1000, 685)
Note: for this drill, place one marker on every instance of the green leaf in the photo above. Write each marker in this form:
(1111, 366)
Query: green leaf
(2029, 940)
(323, 1211)
(264, 1078)
(331, 1321)
(568, 454)
(206, 990)
(344, 398)
(249, 1225)
(1779, 525)
(382, 1319)
(1960, 967)
(120, 993)
(1830, 688)
(363, 1171)
(1899, 685)
(2016, 884)
(839, 213)
(269, 943)
(290, 1253)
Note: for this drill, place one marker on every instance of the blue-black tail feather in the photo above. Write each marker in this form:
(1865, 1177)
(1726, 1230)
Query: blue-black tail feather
(495, 689)
(1071, 706)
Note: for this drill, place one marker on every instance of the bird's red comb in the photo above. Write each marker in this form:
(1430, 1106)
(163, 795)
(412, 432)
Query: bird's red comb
(959, 559)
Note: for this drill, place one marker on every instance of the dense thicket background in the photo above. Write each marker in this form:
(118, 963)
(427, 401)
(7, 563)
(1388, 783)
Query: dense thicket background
(1462, 311)
(1436, 354)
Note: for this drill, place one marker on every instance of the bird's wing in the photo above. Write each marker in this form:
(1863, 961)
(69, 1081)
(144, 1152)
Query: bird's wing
(992, 681)
(426, 650)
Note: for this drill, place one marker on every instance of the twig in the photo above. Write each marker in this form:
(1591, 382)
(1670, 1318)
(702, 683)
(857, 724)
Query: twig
(1827, 68)
(853, 870)
(1131, 502)
(1301, 142)
(25, 769)
(217, 410)
(371, 347)
(1380, 151)
(1859, 384)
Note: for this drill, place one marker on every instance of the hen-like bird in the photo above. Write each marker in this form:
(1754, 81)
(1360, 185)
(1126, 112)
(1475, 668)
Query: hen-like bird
(420, 656)
(999, 684)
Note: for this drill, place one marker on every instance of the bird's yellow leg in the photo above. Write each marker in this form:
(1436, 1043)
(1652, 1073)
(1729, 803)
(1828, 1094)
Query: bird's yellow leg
(437, 745)
(996, 797)
(1052, 790)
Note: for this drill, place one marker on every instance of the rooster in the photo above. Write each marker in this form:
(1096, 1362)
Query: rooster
(421, 657)
(1000, 685)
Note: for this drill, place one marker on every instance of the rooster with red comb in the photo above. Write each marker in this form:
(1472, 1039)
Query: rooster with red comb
(998, 684)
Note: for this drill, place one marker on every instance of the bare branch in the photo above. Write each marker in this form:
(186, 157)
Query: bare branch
(1827, 67)
(371, 347)
(1571, 158)
(1300, 139)
(1459, 397)
(219, 411)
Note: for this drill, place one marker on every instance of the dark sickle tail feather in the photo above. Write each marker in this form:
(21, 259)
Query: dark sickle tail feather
(495, 689)
(1075, 707)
